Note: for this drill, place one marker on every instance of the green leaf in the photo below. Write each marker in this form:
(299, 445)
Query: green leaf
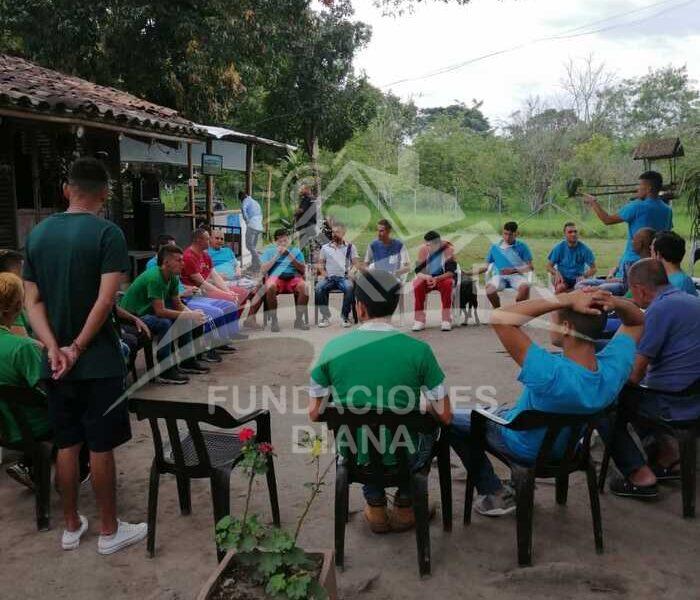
(317, 592)
(224, 523)
(296, 557)
(269, 562)
(277, 584)
(298, 587)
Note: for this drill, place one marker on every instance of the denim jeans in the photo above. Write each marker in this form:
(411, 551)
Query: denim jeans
(376, 496)
(251, 242)
(486, 480)
(650, 404)
(334, 282)
(160, 327)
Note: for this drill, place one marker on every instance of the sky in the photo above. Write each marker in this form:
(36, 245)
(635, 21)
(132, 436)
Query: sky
(652, 33)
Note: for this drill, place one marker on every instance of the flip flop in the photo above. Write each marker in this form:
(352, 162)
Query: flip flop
(624, 487)
(667, 473)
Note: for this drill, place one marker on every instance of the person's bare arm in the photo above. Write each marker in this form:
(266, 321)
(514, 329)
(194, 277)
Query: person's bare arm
(36, 313)
(526, 268)
(217, 281)
(629, 313)
(600, 212)
(297, 264)
(126, 316)
(639, 370)
(441, 410)
(162, 312)
(508, 322)
(315, 407)
(592, 268)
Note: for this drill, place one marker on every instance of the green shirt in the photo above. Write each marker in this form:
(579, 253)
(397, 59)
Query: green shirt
(21, 321)
(150, 285)
(66, 255)
(20, 366)
(377, 366)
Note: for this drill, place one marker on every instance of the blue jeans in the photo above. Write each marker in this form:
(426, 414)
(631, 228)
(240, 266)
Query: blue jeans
(649, 404)
(159, 329)
(375, 495)
(330, 283)
(486, 480)
(223, 315)
(616, 288)
(251, 243)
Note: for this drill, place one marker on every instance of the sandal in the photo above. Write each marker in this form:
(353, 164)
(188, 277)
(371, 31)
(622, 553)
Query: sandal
(624, 487)
(667, 473)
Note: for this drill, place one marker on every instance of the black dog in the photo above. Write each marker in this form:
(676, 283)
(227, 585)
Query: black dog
(468, 299)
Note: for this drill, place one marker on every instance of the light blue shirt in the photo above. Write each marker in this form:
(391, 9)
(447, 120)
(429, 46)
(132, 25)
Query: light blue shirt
(683, 282)
(652, 212)
(554, 383)
(511, 257)
(252, 213)
(283, 267)
(571, 261)
(224, 261)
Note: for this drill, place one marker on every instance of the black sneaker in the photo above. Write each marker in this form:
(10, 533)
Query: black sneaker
(299, 324)
(193, 366)
(210, 357)
(22, 474)
(173, 377)
(237, 337)
(226, 349)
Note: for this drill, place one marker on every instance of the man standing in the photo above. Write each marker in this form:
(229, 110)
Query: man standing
(335, 261)
(73, 269)
(252, 215)
(647, 210)
(387, 253)
(667, 367)
(154, 296)
(669, 248)
(511, 260)
(435, 271)
(306, 217)
(570, 261)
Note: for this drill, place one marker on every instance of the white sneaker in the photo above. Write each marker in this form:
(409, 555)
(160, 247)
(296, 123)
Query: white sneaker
(446, 326)
(324, 322)
(346, 323)
(71, 539)
(418, 326)
(126, 535)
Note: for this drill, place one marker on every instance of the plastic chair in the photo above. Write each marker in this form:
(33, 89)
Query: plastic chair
(348, 472)
(40, 450)
(576, 458)
(685, 432)
(199, 454)
(266, 316)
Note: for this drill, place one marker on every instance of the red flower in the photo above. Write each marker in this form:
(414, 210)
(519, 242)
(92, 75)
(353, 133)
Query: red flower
(265, 448)
(246, 434)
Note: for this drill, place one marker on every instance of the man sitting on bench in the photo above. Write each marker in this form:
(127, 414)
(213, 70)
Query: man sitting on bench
(668, 360)
(579, 381)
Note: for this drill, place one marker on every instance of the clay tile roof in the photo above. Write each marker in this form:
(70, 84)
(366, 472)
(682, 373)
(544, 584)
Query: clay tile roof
(657, 149)
(27, 86)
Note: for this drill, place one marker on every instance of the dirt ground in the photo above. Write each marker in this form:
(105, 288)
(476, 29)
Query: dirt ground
(650, 551)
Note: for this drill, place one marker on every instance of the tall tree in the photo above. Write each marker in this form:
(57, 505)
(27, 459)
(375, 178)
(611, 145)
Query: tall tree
(470, 117)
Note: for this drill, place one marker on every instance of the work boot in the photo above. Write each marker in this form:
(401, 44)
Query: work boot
(377, 518)
(402, 518)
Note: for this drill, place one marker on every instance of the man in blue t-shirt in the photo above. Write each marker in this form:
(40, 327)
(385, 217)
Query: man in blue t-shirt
(668, 360)
(669, 248)
(570, 261)
(647, 210)
(387, 253)
(510, 261)
(252, 216)
(578, 382)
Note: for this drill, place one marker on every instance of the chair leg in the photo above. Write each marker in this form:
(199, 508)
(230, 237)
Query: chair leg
(419, 484)
(184, 494)
(42, 484)
(562, 489)
(688, 452)
(604, 465)
(221, 499)
(354, 313)
(595, 506)
(153, 487)
(445, 473)
(524, 482)
(272, 491)
(342, 492)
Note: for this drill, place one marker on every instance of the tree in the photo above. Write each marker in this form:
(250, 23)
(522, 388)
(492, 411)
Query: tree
(470, 117)
(583, 82)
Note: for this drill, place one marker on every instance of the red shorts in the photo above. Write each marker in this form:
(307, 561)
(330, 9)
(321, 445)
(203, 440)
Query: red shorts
(285, 286)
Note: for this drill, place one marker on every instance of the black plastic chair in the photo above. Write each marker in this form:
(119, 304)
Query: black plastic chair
(685, 432)
(576, 458)
(198, 454)
(40, 450)
(348, 472)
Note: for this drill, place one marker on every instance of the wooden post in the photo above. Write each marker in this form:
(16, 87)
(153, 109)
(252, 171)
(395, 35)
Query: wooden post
(190, 186)
(249, 169)
(210, 188)
(269, 197)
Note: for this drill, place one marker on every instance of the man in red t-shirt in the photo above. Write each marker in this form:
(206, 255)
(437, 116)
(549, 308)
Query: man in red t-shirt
(198, 271)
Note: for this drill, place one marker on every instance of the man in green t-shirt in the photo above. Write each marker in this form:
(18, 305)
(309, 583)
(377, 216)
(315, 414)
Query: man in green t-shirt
(377, 366)
(154, 296)
(73, 268)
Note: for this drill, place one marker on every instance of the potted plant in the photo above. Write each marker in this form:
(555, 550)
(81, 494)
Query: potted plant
(264, 562)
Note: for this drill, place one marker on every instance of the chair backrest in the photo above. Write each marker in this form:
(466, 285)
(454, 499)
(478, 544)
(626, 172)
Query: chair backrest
(17, 399)
(347, 424)
(580, 430)
(173, 413)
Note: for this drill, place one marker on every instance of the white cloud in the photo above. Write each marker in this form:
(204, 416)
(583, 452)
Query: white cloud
(439, 35)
